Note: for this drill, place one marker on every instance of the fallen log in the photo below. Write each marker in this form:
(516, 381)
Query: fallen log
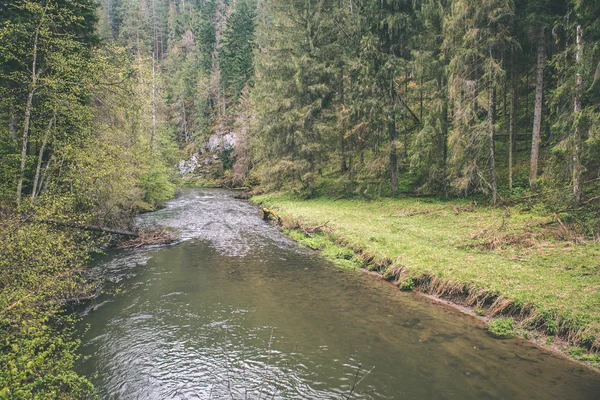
(92, 228)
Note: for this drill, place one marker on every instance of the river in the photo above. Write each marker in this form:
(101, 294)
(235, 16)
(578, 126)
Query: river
(237, 310)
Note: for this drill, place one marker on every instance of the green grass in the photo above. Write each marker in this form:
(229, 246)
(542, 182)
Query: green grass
(340, 255)
(512, 253)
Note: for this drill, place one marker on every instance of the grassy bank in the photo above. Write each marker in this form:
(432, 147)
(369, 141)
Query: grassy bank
(498, 261)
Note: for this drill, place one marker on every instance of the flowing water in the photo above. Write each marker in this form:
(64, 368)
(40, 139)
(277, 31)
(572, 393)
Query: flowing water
(237, 310)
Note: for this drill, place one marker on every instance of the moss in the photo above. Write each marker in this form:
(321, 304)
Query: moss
(502, 327)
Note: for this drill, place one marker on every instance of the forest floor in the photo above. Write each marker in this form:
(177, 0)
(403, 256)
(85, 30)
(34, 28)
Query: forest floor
(495, 261)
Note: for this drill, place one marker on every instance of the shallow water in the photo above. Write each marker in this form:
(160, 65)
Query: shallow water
(237, 310)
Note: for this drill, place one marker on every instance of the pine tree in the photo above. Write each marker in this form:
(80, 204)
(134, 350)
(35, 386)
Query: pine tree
(476, 36)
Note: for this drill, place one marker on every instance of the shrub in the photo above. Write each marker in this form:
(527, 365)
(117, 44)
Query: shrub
(406, 284)
(502, 327)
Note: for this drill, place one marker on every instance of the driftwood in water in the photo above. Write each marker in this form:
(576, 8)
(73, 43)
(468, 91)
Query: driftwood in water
(147, 238)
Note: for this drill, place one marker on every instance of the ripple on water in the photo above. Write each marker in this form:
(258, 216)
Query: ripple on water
(233, 233)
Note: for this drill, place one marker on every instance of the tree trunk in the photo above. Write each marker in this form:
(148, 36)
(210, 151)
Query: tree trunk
(537, 114)
(350, 168)
(343, 165)
(39, 163)
(445, 124)
(513, 120)
(577, 168)
(25, 136)
(392, 135)
(153, 138)
(43, 181)
(185, 131)
(29, 104)
(220, 20)
(92, 228)
(393, 154)
(491, 106)
(12, 123)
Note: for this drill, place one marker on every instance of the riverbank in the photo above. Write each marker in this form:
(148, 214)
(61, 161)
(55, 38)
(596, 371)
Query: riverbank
(509, 262)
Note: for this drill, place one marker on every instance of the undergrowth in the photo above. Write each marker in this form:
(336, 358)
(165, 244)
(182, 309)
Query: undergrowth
(502, 327)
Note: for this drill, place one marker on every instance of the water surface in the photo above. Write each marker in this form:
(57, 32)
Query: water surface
(237, 310)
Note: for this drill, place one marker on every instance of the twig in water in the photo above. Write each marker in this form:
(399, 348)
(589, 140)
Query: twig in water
(356, 381)
(267, 366)
(244, 370)
(278, 384)
(227, 365)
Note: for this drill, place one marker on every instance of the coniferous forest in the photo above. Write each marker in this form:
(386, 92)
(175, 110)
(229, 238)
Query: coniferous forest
(102, 103)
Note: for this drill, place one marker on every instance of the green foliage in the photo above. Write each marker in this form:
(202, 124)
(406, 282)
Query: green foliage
(41, 267)
(157, 184)
(582, 355)
(236, 56)
(406, 284)
(93, 154)
(503, 327)
(226, 158)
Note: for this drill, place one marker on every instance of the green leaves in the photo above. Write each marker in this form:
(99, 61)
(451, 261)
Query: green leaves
(40, 268)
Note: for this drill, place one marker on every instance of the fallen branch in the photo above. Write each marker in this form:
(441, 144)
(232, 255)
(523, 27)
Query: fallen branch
(309, 231)
(560, 221)
(81, 299)
(148, 238)
(92, 228)
(13, 305)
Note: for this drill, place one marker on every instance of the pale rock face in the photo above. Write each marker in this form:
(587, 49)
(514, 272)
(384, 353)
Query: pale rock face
(229, 141)
(187, 167)
(216, 144)
(220, 142)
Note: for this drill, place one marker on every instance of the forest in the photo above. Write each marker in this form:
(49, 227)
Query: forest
(105, 104)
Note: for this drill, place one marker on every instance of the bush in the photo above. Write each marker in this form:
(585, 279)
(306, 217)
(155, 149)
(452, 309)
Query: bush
(406, 284)
(157, 184)
(40, 267)
(502, 327)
